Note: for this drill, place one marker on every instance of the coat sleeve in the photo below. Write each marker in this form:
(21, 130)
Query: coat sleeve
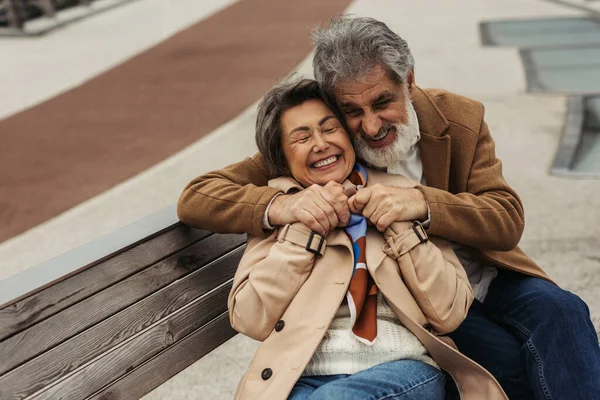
(432, 273)
(489, 215)
(231, 200)
(268, 278)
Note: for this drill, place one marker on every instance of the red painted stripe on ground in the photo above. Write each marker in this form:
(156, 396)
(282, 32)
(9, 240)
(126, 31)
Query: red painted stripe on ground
(81, 143)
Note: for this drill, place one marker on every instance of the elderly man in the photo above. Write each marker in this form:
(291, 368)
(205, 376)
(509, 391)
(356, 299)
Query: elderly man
(534, 337)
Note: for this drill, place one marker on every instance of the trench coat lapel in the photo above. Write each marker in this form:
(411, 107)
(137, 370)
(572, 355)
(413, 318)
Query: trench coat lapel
(338, 237)
(374, 254)
(434, 145)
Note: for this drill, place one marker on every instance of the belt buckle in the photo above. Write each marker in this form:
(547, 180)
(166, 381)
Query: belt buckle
(420, 231)
(310, 240)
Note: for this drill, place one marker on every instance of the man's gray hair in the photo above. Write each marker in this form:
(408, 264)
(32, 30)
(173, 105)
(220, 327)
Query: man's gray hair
(351, 46)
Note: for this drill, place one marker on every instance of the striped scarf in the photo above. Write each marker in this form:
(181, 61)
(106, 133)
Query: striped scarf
(362, 292)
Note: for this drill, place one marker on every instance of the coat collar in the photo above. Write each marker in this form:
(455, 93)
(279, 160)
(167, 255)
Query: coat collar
(431, 120)
(434, 145)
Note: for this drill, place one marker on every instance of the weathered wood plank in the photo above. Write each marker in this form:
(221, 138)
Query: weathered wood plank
(169, 362)
(31, 342)
(28, 311)
(129, 355)
(46, 274)
(70, 355)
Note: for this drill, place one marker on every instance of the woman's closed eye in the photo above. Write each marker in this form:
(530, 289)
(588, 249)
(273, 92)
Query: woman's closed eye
(302, 139)
(330, 127)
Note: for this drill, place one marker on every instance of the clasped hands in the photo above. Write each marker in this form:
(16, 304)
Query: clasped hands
(323, 208)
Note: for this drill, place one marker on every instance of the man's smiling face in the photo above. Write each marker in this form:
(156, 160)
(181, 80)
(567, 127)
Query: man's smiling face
(380, 116)
(372, 103)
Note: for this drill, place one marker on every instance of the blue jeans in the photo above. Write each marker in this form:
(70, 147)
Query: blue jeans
(535, 338)
(404, 379)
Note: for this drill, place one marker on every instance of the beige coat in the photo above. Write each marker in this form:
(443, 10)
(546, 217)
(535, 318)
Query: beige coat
(470, 201)
(286, 297)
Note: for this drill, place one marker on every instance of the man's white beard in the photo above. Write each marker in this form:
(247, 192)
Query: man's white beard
(407, 136)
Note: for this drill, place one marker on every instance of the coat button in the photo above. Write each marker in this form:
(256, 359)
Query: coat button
(428, 327)
(266, 373)
(279, 325)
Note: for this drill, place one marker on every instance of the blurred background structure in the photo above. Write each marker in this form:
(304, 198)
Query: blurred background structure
(108, 108)
(38, 17)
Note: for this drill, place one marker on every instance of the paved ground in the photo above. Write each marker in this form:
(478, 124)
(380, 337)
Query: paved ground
(561, 226)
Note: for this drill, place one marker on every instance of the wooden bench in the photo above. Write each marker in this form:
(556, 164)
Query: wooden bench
(117, 317)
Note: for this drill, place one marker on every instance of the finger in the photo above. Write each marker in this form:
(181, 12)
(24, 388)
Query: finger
(335, 196)
(381, 207)
(323, 212)
(334, 184)
(361, 199)
(326, 211)
(343, 212)
(313, 202)
(374, 210)
(328, 193)
(379, 200)
(370, 208)
(319, 216)
(352, 205)
(309, 220)
(385, 221)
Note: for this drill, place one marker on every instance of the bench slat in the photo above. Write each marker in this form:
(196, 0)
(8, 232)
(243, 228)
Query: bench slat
(135, 351)
(168, 363)
(61, 360)
(31, 342)
(26, 312)
(39, 277)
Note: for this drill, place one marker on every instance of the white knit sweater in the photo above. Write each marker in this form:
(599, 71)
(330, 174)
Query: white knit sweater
(341, 353)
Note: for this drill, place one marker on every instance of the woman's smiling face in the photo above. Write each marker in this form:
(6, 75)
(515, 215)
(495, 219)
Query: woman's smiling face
(315, 144)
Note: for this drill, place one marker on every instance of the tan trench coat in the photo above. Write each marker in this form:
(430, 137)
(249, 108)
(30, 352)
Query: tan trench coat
(286, 297)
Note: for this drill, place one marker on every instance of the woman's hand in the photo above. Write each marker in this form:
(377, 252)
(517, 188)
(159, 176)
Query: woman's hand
(382, 205)
(321, 208)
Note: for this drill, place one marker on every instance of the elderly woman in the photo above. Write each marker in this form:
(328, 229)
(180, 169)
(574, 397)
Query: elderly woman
(355, 314)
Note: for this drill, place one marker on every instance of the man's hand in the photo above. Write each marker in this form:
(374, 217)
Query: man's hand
(382, 205)
(321, 208)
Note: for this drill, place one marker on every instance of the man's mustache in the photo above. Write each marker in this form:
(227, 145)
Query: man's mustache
(383, 131)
